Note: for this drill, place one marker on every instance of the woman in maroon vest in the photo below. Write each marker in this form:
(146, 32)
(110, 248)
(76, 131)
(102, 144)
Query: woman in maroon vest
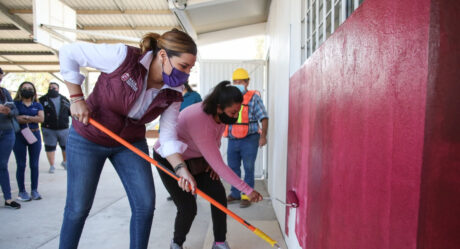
(135, 87)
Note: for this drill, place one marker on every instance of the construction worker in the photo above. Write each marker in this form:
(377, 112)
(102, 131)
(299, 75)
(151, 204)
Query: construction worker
(245, 136)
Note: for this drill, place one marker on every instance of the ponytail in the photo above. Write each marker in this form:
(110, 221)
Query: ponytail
(223, 96)
(175, 42)
(149, 42)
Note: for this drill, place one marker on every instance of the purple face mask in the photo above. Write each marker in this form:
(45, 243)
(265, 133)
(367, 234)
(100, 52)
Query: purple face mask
(176, 78)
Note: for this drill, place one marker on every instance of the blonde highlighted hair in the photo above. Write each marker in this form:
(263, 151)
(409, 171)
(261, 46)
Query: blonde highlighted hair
(175, 42)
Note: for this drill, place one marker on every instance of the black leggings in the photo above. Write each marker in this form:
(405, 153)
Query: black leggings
(186, 203)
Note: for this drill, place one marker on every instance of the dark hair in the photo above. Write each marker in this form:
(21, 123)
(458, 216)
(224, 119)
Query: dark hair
(187, 86)
(18, 92)
(1, 71)
(175, 42)
(53, 83)
(223, 96)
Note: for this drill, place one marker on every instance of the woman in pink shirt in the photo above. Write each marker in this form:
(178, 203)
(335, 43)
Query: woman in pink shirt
(200, 126)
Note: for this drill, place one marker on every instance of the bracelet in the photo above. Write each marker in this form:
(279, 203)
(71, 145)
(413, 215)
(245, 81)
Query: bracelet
(180, 165)
(75, 100)
(76, 95)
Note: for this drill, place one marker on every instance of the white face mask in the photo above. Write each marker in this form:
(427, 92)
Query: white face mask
(241, 88)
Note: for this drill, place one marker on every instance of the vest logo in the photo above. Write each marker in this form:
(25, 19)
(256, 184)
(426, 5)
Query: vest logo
(125, 77)
(128, 80)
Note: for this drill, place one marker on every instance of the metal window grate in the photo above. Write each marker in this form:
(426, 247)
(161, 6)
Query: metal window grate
(320, 18)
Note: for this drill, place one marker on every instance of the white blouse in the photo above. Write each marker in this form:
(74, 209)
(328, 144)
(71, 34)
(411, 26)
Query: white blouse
(107, 58)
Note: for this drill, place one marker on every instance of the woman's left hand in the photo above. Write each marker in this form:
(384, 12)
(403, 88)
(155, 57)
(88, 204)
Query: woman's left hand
(212, 173)
(187, 181)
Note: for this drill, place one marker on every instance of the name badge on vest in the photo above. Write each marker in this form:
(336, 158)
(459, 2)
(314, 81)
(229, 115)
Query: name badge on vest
(128, 80)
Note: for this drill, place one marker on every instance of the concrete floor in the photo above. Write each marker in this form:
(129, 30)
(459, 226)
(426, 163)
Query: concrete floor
(37, 224)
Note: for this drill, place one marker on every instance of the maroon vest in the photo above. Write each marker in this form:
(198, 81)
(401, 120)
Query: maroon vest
(113, 97)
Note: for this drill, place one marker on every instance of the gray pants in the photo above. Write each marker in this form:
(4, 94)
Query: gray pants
(52, 137)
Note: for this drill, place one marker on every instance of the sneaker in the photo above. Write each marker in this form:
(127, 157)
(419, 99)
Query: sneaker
(220, 246)
(13, 204)
(174, 245)
(51, 170)
(245, 201)
(24, 196)
(35, 195)
(231, 199)
(64, 165)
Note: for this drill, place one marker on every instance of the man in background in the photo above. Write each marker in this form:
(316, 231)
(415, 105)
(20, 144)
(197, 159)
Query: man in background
(245, 136)
(55, 128)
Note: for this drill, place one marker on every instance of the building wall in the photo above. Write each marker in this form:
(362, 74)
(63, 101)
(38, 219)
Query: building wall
(283, 58)
(356, 130)
(439, 215)
(278, 93)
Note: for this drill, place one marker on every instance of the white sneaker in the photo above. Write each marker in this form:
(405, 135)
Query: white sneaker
(64, 165)
(51, 170)
(220, 246)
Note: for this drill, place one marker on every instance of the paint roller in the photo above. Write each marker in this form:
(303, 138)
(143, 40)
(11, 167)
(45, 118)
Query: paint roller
(291, 199)
(255, 230)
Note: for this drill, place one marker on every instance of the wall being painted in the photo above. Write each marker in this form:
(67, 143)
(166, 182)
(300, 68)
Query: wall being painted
(374, 131)
(357, 109)
(439, 215)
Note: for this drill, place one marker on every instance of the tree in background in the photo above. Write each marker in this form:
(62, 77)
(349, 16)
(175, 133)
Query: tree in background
(41, 81)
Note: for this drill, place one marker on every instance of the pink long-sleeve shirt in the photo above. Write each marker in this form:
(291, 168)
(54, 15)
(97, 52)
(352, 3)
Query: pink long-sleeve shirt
(202, 135)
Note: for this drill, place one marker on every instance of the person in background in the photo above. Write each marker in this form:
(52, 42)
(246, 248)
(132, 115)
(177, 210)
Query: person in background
(190, 97)
(56, 126)
(245, 136)
(136, 86)
(30, 113)
(8, 112)
(200, 126)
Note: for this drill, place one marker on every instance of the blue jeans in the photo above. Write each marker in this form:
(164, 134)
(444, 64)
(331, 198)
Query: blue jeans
(243, 149)
(21, 146)
(85, 161)
(6, 144)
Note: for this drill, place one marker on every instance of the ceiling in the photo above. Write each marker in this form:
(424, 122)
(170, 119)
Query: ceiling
(129, 18)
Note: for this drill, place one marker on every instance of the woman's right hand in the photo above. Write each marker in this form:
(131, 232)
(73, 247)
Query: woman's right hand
(186, 180)
(80, 111)
(4, 109)
(255, 196)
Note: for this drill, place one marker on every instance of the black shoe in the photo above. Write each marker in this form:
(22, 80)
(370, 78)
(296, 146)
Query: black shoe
(169, 198)
(13, 204)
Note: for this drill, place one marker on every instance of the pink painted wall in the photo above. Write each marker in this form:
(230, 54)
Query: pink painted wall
(439, 215)
(357, 138)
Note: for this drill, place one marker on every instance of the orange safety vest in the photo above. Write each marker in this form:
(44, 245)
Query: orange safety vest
(241, 128)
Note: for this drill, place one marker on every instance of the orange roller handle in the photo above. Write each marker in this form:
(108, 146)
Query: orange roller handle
(199, 192)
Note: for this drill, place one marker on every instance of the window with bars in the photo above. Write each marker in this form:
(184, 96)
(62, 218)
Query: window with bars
(320, 18)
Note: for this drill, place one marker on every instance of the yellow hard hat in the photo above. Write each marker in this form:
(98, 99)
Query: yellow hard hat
(240, 74)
